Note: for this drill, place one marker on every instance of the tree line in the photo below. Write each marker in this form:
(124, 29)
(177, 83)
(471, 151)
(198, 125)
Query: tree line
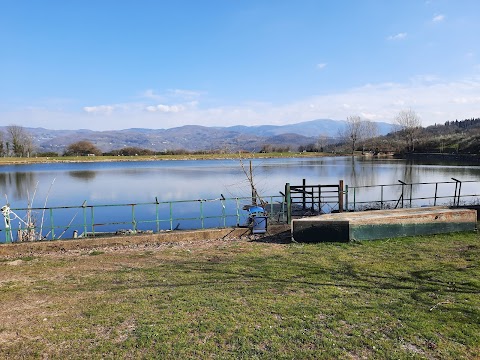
(464, 124)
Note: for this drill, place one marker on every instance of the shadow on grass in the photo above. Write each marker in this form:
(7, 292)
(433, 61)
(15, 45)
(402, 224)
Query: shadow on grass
(284, 237)
(278, 271)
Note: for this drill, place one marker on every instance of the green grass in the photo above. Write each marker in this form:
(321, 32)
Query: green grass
(404, 298)
(96, 252)
(32, 160)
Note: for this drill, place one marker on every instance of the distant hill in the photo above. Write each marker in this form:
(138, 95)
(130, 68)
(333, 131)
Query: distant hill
(195, 137)
(326, 127)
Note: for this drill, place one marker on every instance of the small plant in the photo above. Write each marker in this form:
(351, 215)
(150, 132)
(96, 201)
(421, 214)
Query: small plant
(28, 225)
(96, 252)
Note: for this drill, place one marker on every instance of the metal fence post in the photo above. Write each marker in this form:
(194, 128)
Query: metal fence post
(8, 229)
(134, 221)
(237, 210)
(340, 196)
(171, 216)
(84, 218)
(346, 197)
(92, 214)
(52, 225)
(319, 198)
(401, 182)
(354, 198)
(224, 216)
(288, 200)
(157, 221)
(304, 205)
(381, 197)
(458, 185)
(411, 194)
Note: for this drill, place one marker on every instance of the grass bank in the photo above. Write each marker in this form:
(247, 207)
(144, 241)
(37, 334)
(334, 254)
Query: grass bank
(403, 298)
(66, 159)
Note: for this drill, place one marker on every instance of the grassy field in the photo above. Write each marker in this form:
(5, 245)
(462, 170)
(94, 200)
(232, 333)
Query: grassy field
(34, 160)
(236, 299)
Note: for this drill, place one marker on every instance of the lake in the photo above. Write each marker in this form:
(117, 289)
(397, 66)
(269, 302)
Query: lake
(74, 184)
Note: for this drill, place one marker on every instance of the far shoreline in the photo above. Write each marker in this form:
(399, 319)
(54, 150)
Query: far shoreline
(460, 158)
(101, 158)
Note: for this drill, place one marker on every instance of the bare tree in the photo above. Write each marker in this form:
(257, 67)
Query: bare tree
(249, 175)
(20, 140)
(409, 124)
(2, 143)
(354, 131)
(370, 133)
(322, 142)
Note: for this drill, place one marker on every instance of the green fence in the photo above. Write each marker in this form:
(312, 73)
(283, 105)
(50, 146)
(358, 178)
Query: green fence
(88, 220)
(93, 220)
(404, 194)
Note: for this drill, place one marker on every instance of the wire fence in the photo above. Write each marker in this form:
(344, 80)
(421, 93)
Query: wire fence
(88, 220)
(402, 194)
(66, 222)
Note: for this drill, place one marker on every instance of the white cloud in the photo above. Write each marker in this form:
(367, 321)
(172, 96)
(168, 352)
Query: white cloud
(467, 100)
(171, 94)
(112, 108)
(434, 99)
(185, 94)
(165, 108)
(399, 36)
(151, 94)
(101, 109)
(438, 18)
(321, 66)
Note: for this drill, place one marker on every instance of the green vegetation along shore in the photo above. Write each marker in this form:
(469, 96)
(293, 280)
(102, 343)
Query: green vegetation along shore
(60, 159)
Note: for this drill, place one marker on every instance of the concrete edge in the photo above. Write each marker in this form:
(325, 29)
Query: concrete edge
(125, 240)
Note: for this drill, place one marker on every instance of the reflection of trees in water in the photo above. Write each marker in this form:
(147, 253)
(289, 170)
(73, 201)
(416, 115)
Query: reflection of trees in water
(363, 172)
(408, 174)
(408, 178)
(83, 174)
(18, 184)
(416, 172)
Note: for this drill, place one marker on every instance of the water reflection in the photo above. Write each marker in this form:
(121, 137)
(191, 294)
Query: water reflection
(18, 185)
(133, 182)
(83, 174)
(362, 172)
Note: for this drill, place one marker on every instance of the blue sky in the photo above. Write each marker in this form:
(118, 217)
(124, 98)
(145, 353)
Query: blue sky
(117, 64)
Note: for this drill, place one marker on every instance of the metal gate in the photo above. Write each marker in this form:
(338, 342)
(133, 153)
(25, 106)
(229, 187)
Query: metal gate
(313, 199)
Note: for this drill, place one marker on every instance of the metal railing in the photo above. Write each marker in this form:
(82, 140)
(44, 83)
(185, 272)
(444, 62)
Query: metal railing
(307, 200)
(53, 223)
(57, 222)
(316, 198)
(406, 194)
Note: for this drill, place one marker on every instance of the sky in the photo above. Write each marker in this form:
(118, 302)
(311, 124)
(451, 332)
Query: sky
(119, 64)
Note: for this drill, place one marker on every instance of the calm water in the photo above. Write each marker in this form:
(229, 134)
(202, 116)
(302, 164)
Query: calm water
(72, 184)
(126, 182)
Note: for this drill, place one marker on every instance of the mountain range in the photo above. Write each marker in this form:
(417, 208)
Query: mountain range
(195, 137)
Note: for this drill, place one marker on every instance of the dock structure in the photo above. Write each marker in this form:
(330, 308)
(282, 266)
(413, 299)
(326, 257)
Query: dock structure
(382, 224)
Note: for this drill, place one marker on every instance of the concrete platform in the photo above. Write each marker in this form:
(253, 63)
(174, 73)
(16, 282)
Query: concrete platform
(381, 224)
(18, 249)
